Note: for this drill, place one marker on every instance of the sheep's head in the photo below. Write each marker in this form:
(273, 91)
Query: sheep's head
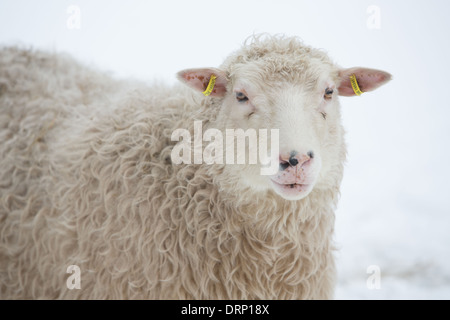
(279, 83)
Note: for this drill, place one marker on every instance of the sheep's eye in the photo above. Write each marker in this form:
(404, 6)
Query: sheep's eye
(241, 97)
(328, 94)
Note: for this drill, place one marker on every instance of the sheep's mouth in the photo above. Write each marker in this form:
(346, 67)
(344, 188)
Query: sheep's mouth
(290, 185)
(291, 190)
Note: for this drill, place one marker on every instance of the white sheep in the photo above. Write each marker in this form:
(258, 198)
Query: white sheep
(86, 179)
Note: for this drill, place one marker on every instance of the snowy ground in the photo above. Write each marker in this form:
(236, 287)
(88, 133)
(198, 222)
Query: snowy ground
(394, 213)
(406, 237)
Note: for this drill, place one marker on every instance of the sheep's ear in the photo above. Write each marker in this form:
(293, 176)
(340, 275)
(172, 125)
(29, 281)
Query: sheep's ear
(367, 80)
(199, 80)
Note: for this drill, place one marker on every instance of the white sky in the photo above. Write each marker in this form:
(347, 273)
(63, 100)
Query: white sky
(398, 136)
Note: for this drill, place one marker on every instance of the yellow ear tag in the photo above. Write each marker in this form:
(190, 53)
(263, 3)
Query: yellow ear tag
(355, 86)
(210, 87)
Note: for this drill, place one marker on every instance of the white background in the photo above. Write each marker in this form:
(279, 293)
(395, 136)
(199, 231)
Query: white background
(394, 212)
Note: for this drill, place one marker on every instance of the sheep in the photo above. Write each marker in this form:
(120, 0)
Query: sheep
(88, 182)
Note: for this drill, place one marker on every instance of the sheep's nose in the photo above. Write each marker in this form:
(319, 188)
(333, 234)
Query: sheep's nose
(294, 158)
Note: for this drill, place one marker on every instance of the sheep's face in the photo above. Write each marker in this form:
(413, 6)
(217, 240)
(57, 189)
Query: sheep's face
(305, 111)
(295, 93)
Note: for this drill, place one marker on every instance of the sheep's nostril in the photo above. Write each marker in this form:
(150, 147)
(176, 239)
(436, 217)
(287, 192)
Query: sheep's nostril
(293, 161)
(284, 166)
(310, 154)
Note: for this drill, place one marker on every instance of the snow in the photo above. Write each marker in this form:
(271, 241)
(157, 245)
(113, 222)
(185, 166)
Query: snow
(394, 211)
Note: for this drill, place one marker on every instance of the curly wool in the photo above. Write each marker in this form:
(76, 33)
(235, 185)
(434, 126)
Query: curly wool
(86, 180)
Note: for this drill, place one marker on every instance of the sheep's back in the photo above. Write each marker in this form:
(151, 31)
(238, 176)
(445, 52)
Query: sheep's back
(76, 150)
